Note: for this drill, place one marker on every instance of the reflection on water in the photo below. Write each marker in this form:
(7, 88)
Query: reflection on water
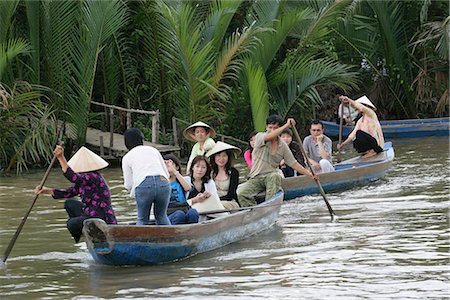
(391, 240)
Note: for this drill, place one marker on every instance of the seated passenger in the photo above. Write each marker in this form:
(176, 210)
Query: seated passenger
(179, 211)
(318, 148)
(203, 190)
(202, 134)
(248, 152)
(286, 136)
(224, 174)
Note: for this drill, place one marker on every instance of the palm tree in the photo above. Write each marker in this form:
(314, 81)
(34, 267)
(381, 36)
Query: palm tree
(293, 79)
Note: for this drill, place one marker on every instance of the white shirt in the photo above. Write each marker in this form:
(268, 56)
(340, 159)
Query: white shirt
(210, 186)
(140, 162)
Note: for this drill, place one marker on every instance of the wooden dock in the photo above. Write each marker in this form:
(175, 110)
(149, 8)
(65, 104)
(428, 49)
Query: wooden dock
(99, 141)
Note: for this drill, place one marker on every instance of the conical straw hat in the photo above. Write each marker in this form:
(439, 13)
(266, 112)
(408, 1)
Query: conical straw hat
(190, 130)
(366, 101)
(86, 161)
(221, 146)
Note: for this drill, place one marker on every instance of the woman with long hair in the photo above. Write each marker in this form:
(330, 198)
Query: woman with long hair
(224, 174)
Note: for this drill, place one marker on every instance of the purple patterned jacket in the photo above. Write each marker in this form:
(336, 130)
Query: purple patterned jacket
(94, 193)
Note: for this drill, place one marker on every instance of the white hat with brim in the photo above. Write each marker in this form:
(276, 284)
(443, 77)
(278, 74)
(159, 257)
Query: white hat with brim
(190, 130)
(366, 101)
(86, 161)
(221, 146)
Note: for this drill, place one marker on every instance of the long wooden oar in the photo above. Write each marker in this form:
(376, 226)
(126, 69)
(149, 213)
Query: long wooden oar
(19, 229)
(322, 192)
(341, 121)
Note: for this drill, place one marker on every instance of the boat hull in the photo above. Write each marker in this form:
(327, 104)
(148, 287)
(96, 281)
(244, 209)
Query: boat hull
(398, 128)
(354, 172)
(151, 244)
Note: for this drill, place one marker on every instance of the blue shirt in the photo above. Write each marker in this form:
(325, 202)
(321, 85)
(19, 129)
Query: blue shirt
(177, 193)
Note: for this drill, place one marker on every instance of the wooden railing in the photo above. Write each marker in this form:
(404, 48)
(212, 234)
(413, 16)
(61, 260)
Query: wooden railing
(154, 116)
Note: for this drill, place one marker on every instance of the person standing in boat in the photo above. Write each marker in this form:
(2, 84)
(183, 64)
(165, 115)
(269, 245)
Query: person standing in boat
(268, 152)
(367, 135)
(89, 184)
(225, 176)
(286, 136)
(179, 211)
(318, 148)
(202, 134)
(145, 175)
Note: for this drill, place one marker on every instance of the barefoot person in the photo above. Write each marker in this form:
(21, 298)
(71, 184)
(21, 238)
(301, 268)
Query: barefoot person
(267, 154)
(89, 184)
(367, 136)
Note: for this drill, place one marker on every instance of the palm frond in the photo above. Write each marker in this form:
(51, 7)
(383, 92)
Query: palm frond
(197, 63)
(217, 22)
(59, 24)
(257, 93)
(263, 13)
(272, 40)
(303, 74)
(100, 20)
(9, 50)
(33, 17)
(7, 9)
(27, 127)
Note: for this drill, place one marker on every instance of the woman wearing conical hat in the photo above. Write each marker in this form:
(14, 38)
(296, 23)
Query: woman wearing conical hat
(367, 135)
(202, 134)
(89, 184)
(225, 176)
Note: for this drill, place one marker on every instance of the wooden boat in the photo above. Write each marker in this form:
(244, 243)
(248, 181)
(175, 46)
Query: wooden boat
(151, 244)
(398, 128)
(349, 173)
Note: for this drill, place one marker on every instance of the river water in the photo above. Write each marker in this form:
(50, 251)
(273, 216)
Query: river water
(391, 240)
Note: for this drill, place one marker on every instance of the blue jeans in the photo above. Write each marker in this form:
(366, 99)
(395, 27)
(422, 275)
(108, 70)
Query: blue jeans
(153, 190)
(181, 217)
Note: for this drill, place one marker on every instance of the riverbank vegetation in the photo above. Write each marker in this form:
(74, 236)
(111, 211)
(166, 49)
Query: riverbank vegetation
(219, 61)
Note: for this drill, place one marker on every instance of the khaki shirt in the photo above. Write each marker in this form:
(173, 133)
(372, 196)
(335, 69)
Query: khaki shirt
(264, 161)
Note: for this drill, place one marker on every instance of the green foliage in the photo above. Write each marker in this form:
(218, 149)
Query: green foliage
(221, 60)
(27, 127)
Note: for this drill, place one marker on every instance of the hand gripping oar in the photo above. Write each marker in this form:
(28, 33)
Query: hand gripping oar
(341, 121)
(19, 229)
(322, 192)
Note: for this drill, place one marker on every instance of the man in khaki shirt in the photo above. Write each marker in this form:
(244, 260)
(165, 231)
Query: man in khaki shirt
(267, 154)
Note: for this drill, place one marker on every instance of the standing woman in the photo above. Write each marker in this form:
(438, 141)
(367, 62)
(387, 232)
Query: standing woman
(89, 184)
(225, 176)
(367, 135)
(145, 175)
(202, 134)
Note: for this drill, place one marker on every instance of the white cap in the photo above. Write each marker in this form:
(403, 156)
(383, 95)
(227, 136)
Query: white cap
(86, 161)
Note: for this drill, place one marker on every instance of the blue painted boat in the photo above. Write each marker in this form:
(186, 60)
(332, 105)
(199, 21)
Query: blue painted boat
(151, 244)
(399, 128)
(348, 174)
